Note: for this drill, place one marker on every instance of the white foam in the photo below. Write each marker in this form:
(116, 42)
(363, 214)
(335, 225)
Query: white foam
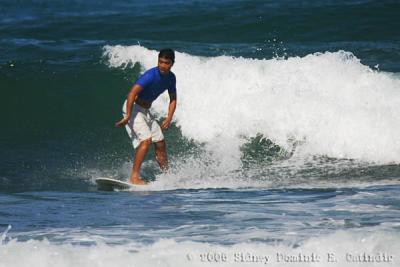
(342, 245)
(340, 107)
(205, 172)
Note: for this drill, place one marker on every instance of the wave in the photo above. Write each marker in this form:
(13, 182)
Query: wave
(329, 102)
(343, 248)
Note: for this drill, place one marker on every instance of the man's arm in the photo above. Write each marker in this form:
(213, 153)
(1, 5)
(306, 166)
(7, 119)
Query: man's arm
(171, 110)
(129, 104)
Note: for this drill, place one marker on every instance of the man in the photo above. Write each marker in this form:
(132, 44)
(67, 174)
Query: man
(140, 125)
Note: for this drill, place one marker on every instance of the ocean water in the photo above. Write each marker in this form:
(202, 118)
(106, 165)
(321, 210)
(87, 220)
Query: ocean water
(284, 149)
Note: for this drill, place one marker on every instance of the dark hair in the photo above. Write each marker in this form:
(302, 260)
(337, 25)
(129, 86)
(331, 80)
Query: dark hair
(167, 53)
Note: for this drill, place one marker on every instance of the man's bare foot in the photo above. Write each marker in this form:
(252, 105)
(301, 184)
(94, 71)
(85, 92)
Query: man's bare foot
(137, 180)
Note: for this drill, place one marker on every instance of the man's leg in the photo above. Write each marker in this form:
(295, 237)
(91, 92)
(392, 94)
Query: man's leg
(161, 155)
(141, 152)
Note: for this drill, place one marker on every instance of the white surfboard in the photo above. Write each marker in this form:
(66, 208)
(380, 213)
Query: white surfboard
(109, 184)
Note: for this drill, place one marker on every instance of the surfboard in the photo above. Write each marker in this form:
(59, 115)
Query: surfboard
(109, 184)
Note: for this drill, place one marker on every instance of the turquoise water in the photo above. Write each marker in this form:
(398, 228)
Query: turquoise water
(285, 139)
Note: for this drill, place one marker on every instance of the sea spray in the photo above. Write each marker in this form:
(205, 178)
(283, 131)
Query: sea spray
(4, 238)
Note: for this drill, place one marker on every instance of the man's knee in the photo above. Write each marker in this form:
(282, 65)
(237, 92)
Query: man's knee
(146, 143)
(160, 146)
(160, 150)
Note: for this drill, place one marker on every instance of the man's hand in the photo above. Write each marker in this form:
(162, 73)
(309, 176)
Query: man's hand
(122, 122)
(165, 124)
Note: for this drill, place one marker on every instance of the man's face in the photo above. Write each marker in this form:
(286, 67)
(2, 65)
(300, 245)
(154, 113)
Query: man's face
(164, 65)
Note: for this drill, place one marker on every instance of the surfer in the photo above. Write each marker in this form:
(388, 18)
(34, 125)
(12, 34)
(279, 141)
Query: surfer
(141, 126)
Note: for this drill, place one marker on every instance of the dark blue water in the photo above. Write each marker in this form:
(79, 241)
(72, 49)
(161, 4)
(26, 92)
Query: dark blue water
(231, 215)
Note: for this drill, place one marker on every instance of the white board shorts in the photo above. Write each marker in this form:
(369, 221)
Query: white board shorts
(142, 126)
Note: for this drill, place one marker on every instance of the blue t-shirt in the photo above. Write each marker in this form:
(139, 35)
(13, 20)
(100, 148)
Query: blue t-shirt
(153, 84)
